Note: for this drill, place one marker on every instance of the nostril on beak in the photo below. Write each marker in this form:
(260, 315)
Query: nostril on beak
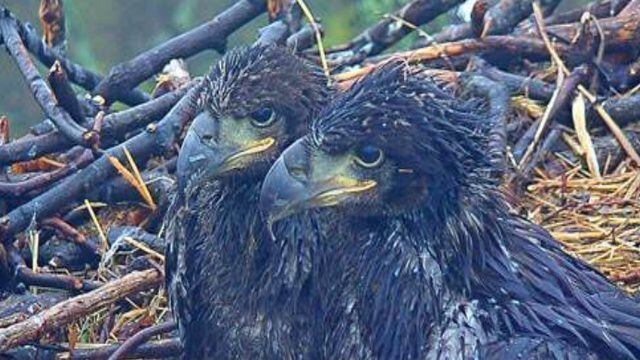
(298, 173)
(207, 137)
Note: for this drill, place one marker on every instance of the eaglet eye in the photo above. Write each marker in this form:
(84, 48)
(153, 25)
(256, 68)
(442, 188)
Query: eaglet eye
(369, 156)
(263, 117)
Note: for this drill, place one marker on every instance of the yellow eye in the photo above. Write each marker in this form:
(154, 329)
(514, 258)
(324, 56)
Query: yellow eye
(369, 156)
(263, 117)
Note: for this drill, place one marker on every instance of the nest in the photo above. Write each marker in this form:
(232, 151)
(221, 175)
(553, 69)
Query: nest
(596, 219)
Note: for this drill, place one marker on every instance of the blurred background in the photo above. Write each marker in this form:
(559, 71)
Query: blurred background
(101, 34)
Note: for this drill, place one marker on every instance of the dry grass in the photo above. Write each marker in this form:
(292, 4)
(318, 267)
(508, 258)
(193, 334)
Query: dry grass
(596, 219)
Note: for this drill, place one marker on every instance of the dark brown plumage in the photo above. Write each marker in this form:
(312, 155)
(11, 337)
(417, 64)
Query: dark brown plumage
(235, 292)
(422, 258)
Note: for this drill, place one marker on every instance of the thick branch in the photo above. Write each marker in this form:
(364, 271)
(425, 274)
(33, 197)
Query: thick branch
(210, 35)
(154, 140)
(625, 110)
(303, 38)
(20, 306)
(621, 32)
(517, 85)
(599, 9)
(497, 96)
(39, 88)
(62, 314)
(390, 30)
(633, 7)
(115, 125)
(499, 20)
(499, 46)
(64, 92)
(77, 74)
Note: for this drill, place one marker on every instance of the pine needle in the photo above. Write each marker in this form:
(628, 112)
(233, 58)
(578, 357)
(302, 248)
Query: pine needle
(323, 56)
(137, 244)
(133, 178)
(143, 189)
(123, 171)
(94, 218)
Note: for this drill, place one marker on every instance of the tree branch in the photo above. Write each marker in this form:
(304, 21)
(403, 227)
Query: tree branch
(72, 309)
(20, 188)
(170, 348)
(115, 125)
(39, 88)
(501, 19)
(390, 30)
(210, 35)
(155, 139)
(141, 337)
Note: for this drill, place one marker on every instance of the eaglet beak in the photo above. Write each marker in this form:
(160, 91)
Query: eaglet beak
(291, 187)
(204, 154)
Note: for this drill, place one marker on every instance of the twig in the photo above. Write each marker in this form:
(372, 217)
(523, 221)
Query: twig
(388, 31)
(77, 74)
(133, 177)
(547, 144)
(118, 189)
(67, 311)
(39, 88)
(4, 130)
(478, 12)
(20, 188)
(69, 232)
(579, 113)
(144, 335)
(522, 47)
(615, 129)
(209, 35)
(561, 97)
(156, 139)
(169, 348)
(115, 126)
(29, 278)
(499, 20)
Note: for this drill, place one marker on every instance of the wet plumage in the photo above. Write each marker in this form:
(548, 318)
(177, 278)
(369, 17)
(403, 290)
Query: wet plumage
(234, 291)
(422, 258)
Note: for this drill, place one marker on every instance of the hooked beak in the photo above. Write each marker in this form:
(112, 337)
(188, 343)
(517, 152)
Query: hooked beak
(203, 155)
(291, 186)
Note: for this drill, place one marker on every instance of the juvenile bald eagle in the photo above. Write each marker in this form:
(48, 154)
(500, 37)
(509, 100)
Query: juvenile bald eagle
(424, 260)
(234, 292)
